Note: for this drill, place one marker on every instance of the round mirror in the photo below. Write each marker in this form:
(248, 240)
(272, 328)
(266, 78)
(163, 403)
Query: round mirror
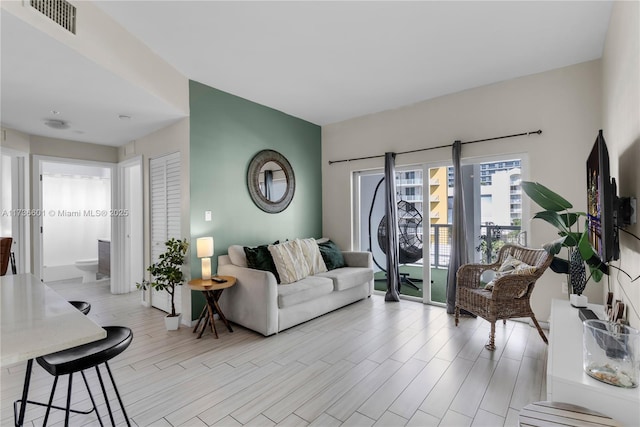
(270, 181)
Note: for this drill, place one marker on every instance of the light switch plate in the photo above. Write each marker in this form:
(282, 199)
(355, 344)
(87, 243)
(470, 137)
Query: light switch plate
(207, 215)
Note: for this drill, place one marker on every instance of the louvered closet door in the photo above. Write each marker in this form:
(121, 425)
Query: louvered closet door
(165, 216)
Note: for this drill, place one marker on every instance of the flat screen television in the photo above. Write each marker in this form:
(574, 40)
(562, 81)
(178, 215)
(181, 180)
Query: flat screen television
(602, 209)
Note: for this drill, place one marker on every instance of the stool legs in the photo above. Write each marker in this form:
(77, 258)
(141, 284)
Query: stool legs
(53, 391)
(67, 409)
(93, 402)
(117, 394)
(25, 391)
(104, 393)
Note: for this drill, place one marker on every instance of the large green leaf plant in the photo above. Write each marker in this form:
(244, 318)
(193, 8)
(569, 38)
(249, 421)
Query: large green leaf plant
(557, 213)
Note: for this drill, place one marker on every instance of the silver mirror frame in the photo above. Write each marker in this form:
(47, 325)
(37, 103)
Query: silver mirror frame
(253, 175)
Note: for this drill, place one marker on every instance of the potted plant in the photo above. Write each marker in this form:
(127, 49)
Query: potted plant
(166, 274)
(556, 212)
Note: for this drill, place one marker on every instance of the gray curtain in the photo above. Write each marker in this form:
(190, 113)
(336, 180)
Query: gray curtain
(391, 213)
(268, 183)
(459, 255)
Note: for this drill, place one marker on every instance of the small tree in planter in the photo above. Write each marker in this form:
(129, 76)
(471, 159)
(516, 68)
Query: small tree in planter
(166, 274)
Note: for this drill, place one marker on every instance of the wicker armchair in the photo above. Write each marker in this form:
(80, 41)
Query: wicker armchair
(510, 295)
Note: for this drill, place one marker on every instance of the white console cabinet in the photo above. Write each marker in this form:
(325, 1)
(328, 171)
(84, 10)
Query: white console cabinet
(566, 379)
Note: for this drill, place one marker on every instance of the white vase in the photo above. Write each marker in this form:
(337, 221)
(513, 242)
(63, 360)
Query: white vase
(578, 300)
(172, 322)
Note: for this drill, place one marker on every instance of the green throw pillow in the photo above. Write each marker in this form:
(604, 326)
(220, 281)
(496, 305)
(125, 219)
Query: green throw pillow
(260, 258)
(332, 255)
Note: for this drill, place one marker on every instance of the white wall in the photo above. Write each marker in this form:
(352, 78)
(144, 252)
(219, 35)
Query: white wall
(621, 118)
(171, 139)
(15, 140)
(44, 146)
(105, 42)
(564, 103)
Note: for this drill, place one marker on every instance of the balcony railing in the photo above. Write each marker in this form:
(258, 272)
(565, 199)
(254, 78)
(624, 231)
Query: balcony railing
(492, 238)
(409, 181)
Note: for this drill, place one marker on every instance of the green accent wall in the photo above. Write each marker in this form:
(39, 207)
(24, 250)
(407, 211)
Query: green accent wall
(226, 131)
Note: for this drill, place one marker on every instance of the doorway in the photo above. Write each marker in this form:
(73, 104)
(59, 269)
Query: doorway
(85, 205)
(371, 226)
(128, 232)
(75, 201)
(14, 206)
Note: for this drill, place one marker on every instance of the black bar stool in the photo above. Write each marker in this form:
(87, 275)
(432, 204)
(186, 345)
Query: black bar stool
(83, 306)
(77, 359)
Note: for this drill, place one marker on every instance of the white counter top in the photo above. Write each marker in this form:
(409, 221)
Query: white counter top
(37, 321)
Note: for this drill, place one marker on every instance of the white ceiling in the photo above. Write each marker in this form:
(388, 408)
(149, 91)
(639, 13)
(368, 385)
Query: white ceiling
(320, 61)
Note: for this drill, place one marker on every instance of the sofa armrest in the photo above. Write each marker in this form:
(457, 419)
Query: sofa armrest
(253, 301)
(358, 259)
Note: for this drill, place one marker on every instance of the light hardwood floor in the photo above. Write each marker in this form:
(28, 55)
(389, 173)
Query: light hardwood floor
(369, 364)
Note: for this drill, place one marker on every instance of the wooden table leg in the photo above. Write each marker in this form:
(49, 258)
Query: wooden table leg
(202, 316)
(211, 309)
(220, 313)
(204, 324)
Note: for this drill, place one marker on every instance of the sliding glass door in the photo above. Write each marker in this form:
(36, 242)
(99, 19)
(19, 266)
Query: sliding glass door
(371, 229)
(440, 185)
(424, 193)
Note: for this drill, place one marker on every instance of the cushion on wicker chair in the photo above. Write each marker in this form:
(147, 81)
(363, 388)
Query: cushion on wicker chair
(521, 268)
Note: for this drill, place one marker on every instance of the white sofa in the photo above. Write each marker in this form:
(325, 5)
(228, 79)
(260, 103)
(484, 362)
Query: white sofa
(259, 303)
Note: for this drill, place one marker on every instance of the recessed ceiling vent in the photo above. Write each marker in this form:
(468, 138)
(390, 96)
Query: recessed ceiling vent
(60, 11)
(56, 124)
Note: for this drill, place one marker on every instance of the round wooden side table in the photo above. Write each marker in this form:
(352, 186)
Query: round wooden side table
(212, 291)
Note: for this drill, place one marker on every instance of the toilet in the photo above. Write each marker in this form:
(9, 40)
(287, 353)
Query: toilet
(89, 268)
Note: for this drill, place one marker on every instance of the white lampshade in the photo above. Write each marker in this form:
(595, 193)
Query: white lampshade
(204, 247)
(204, 250)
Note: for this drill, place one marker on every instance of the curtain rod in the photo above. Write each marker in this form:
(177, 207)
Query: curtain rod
(538, 132)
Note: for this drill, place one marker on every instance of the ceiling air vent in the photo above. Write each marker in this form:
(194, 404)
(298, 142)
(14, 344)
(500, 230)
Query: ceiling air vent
(60, 11)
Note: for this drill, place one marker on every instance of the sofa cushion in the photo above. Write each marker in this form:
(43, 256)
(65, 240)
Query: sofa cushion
(331, 254)
(348, 277)
(312, 255)
(260, 258)
(237, 255)
(289, 261)
(307, 289)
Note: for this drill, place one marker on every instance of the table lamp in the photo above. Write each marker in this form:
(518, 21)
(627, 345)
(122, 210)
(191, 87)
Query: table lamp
(204, 249)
